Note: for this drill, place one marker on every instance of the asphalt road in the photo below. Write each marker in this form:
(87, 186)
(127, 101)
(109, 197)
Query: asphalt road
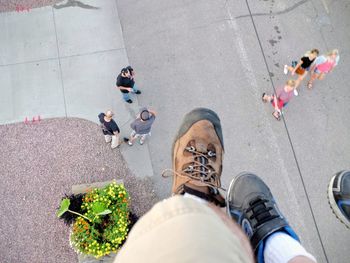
(223, 55)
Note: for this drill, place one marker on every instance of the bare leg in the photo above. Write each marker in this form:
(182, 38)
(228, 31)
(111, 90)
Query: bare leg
(132, 139)
(290, 69)
(321, 76)
(236, 230)
(312, 79)
(300, 79)
(267, 98)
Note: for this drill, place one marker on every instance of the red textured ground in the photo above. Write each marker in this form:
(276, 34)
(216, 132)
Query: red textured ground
(24, 5)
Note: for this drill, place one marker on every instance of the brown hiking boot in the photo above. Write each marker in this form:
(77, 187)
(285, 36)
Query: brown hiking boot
(198, 151)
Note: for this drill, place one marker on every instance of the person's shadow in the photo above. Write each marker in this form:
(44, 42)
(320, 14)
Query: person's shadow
(74, 3)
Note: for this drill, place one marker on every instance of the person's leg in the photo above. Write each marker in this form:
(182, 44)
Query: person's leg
(269, 98)
(299, 80)
(180, 229)
(280, 105)
(115, 141)
(339, 196)
(266, 98)
(108, 138)
(126, 97)
(314, 75)
(287, 69)
(136, 90)
(282, 248)
(133, 137)
(142, 138)
(250, 203)
(321, 76)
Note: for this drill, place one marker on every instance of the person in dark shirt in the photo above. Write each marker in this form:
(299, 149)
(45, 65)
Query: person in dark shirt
(301, 67)
(141, 126)
(110, 128)
(280, 100)
(126, 83)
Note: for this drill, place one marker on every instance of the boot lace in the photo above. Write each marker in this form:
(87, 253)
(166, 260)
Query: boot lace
(198, 171)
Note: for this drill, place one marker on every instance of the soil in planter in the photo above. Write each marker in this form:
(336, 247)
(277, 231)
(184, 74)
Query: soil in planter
(75, 205)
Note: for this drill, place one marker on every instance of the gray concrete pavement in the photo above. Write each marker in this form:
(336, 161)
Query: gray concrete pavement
(223, 55)
(63, 62)
(216, 54)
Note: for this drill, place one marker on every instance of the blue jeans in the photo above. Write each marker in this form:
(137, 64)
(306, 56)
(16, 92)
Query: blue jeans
(126, 96)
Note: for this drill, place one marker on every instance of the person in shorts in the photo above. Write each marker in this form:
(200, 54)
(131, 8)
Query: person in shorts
(323, 65)
(110, 128)
(126, 83)
(302, 67)
(281, 99)
(141, 126)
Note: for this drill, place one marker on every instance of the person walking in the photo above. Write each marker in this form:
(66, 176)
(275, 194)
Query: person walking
(191, 226)
(110, 128)
(323, 65)
(126, 83)
(141, 126)
(302, 67)
(281, 99)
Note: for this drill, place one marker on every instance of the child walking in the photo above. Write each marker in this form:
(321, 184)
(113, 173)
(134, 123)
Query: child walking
(301, 67)
(281, 99)
(323, 65)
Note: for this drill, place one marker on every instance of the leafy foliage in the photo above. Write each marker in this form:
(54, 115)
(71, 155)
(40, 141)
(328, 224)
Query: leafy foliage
(64, 207)
(109, 222)
(75, 202)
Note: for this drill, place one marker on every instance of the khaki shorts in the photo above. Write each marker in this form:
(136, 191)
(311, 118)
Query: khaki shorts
(180, 230)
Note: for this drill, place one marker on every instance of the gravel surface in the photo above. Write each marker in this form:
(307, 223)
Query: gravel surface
(39, 164)
(24, 5)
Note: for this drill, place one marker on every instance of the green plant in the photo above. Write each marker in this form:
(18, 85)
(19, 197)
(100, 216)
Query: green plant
(64, 207)
(103, 225)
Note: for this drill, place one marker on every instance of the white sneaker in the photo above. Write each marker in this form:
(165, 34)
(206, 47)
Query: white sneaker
(296, 93)
(285, 69)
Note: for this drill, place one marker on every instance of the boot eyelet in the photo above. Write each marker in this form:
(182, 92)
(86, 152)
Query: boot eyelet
(211, 154)
(191, 149)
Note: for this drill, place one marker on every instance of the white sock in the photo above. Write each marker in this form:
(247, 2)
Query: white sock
(194, 197)
(280, 248)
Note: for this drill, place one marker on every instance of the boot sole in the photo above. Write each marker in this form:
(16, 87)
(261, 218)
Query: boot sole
(194, 116)
(334, 206)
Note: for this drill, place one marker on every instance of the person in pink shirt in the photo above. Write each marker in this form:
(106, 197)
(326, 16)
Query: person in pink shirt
(323, 64)
(281, 99)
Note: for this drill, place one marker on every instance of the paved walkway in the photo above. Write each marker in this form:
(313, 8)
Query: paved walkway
(224, 54)
(217, 54)
(62, 61)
